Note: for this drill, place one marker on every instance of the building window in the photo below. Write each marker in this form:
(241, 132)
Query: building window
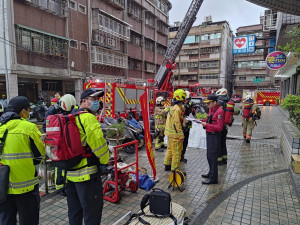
(150, 20)
(209, 76)
(149, 44)
(35, 41)
(149, 67)
(83, 46)
(242, 79)
(135, 39)
(72, 5)
(82, 8)
(73, 44)
(161, 49)
(134, 9)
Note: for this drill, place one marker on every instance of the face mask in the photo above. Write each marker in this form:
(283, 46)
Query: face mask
(94, 106)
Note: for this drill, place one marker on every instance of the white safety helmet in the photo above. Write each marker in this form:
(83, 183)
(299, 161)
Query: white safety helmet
(222, 91)
(247, 97)
(67, 102)
(159, 100)
(188, 95)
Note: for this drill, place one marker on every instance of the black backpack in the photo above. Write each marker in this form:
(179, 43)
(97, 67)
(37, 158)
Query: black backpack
(160, 206)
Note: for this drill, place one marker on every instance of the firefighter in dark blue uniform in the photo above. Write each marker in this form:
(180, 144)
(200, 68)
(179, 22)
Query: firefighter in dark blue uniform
(214, 126)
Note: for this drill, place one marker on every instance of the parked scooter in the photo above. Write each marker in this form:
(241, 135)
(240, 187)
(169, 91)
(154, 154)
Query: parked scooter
(127, 133)
(137, 131)
(38, 112)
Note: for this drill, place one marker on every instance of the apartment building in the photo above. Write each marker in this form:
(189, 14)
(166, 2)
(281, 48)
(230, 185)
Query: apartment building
(53, 46)
(205, 58)
(250, 66)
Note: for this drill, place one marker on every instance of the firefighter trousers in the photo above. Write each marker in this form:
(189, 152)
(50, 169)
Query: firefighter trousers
(213, 148)
(159, 140)
(248, 126)
(26, 205)
(85, 201)
(223, 149)
(185, 142)
(173, 155)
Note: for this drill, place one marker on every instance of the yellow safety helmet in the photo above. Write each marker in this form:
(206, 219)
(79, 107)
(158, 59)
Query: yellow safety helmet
(179, 95)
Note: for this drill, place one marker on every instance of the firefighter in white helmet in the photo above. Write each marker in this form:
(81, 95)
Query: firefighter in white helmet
(251, 113)
(160, 113)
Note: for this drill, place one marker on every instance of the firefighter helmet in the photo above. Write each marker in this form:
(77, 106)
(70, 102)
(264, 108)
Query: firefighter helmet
(222, 91)
(67, 102)
(188, 95)
(159, 100)
(179, 95)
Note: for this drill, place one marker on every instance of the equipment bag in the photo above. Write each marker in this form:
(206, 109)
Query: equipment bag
(63, 143)
(229, 113)
(159, 202)
(4, 172)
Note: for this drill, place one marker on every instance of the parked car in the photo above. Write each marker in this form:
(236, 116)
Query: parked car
(236, 98)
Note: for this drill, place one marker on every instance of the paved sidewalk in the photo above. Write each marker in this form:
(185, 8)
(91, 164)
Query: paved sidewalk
(255, 187)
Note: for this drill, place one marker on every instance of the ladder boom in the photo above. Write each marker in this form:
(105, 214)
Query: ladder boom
(176, 44)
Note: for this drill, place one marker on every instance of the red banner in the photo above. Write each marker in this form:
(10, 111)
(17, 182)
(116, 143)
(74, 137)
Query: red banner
(149, 148)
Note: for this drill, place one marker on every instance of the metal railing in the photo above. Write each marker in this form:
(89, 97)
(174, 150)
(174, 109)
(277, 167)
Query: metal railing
(56, 7)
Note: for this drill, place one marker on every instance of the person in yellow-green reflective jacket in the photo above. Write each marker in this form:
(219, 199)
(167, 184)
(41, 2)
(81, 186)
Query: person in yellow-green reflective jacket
(23, 149)
(84, 186)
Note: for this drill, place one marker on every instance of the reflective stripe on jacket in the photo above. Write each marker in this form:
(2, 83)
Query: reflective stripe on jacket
(173, 127)
(91, 135)
(160, 117)
(18, 154)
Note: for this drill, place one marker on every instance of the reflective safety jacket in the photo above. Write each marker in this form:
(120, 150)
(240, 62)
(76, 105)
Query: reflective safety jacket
(93, 137)
(160, 117)
(23, 144)
(173, 127)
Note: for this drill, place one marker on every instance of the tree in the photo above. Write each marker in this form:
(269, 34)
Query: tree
(294, 46)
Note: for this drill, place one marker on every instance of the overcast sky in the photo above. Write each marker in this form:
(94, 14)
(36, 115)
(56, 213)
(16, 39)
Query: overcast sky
(237, 12)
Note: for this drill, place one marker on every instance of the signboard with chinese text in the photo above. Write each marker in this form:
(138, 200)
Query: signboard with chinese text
(276, 60)
(244, 44)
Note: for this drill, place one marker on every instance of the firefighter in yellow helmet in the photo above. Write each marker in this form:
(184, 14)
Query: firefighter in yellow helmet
(174, 131)
(160, 113)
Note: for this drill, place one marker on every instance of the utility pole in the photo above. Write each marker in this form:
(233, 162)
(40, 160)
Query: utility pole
(5, 53)
(199, 52)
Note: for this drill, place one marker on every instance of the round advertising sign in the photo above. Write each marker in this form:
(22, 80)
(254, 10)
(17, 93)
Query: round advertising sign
(276, 60)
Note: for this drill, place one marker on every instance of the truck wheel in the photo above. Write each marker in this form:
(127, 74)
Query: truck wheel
(267, 104)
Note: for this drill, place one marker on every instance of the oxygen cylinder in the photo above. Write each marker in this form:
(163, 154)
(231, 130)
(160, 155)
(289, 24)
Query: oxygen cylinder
(247, 109)
(229, 113)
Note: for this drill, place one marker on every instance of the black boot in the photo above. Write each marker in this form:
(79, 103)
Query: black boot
(247, 140)
(167, 167)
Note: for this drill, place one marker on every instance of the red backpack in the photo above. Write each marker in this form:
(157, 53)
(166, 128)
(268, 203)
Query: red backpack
(63, 143)
(229, 113)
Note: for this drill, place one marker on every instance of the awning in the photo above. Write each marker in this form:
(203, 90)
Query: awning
(43, 32)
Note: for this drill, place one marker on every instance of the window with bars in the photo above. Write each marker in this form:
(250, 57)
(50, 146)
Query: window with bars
(208, 64)
(113, 27)
(149, 19)
(251, 65)
(162, 27)
(210, 36)
(35, 41)
(135, 39)
(242, 78)
(208, 76)
(134, 9)
(210, 50)
(149, 44)
(161, 49)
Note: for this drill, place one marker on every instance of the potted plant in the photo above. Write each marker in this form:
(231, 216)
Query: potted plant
(115, 134)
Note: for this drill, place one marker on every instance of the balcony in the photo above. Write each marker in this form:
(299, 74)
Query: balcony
(120, 4)
(55, 7)
(106, 57)
(252, 71)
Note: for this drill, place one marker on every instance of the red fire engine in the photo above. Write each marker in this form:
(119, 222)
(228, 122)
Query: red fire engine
(267, 97)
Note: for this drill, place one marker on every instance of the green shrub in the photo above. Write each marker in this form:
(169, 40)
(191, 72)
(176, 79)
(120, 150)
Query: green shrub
(292, 104)
(237, 111)
(113, 133)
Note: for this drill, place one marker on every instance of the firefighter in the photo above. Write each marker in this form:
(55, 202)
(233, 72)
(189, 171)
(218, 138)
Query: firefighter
(251, 112)
(222, 101)
(214, 126)
(23, 149)
(84, 186)
(174, 131)
(187, 125)
(160, 113)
